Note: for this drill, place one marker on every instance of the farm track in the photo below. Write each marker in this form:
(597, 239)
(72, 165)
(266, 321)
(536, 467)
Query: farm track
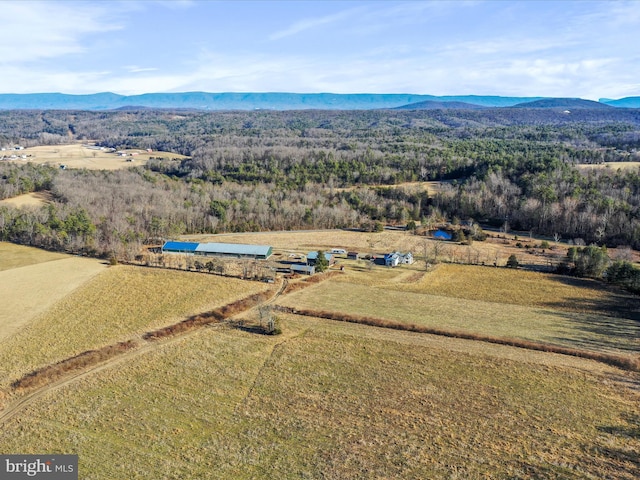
(143, 346)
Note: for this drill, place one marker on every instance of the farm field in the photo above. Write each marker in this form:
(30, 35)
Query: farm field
(333, 400)
(77, 155)
(119, 303)
(301, 242)
(33, 280)
(328, 399)
(502, 305)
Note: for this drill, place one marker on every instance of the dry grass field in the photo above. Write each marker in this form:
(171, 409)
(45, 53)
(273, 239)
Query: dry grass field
(338, 401)
(610, 165)
(80, 156)
(486, 301)
(35, 199)
(328, 399)
(16, 256)
(33, 280)
(119, 303)
(301, 242)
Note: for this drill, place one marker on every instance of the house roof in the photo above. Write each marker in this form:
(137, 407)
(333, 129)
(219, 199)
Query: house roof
(220, 248)
(235, 249)
(314, 256)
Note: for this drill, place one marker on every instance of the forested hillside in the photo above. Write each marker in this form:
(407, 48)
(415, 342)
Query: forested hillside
(268, 170)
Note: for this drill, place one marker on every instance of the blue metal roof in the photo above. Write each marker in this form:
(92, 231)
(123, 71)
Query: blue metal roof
(180, 246)
(441, 234)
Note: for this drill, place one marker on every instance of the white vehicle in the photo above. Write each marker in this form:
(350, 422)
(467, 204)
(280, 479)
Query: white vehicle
(339, 251)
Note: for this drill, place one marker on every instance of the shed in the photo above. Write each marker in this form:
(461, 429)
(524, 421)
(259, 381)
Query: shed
(313, 256)
(302, 268)
(406, 258)
(180, 247)
(352, 255)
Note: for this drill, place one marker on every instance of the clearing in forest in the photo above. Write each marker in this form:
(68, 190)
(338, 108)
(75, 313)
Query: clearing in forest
(79, 155)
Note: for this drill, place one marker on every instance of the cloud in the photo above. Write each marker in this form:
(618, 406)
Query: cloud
(40, 30)
(137, 69)
(312, 23)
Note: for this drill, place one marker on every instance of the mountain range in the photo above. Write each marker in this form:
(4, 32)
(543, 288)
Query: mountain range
(289, 101)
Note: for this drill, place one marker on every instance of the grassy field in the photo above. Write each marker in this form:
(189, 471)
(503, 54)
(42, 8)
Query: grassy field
(338, 401)
(80, 156)
(33, 280)
(611, 165)
(35, 199)
(487, 301)
(121, 302)
(15, 256)
(328, 399)
(301, 242)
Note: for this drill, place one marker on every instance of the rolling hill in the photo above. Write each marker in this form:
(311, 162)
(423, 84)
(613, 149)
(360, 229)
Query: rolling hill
(563, 103)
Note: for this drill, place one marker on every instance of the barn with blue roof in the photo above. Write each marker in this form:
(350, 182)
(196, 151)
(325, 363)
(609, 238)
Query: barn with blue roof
(234, 250)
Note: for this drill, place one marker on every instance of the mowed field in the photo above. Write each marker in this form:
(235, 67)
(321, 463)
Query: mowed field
(80, 156)
(33, 280)
(484, 300)
(329, 399)
(120, 303)
(337, 401)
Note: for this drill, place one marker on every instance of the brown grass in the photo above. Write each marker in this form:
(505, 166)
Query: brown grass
(30, 290)
(337, 400)
(51, 373)
(217, 315)
(625, 362)
(307, 282)
(121, 302)
(78, 156)
(35, 199)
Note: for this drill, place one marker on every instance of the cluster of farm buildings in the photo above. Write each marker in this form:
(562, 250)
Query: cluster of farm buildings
(301, 264)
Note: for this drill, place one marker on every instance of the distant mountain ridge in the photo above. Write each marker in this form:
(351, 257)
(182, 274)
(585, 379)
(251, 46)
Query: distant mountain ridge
(440, 105)
(565, 103)
(627, 102)
(268, 101)
(238, 101)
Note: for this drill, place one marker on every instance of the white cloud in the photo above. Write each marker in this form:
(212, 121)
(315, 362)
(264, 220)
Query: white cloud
(39, 30)
(137, 69)
(312, 23)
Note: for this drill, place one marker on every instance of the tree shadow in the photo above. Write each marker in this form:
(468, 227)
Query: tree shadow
(598, 332)
(616, 304)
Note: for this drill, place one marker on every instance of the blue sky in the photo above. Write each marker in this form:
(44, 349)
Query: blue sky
(587, 49)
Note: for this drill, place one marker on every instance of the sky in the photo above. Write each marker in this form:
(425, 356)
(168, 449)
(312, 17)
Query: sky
(587, 49)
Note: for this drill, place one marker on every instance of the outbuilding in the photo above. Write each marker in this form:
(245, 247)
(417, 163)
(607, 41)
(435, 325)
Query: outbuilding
(312, 257)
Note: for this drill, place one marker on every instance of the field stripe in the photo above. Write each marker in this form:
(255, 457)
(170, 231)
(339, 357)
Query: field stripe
(29, 291)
